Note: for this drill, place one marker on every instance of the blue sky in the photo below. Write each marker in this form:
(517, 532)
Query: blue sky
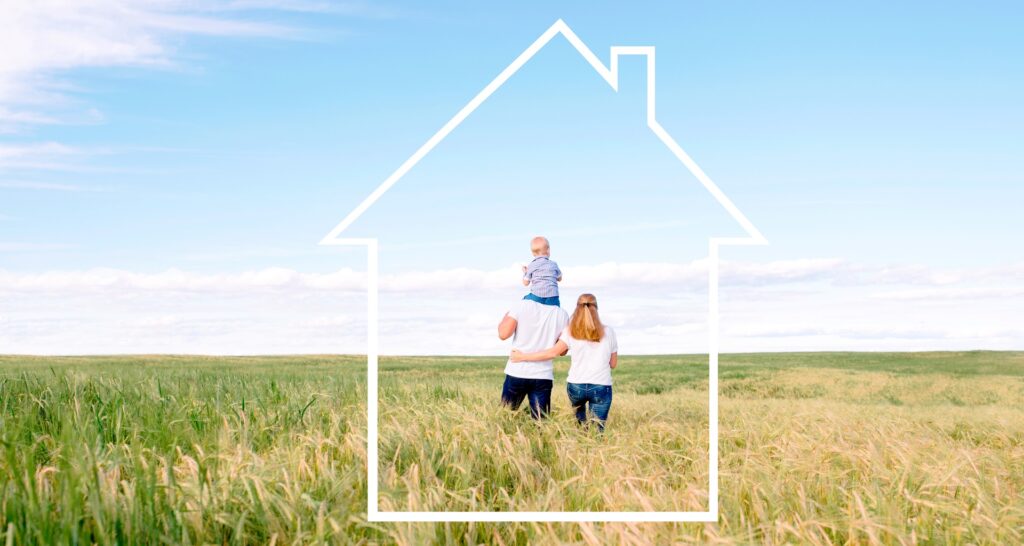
(877, 146)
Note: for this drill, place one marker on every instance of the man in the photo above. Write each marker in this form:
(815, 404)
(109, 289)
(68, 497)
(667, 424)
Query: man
(536, 327)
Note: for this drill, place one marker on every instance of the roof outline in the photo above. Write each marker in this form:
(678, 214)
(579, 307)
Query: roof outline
(610, 74)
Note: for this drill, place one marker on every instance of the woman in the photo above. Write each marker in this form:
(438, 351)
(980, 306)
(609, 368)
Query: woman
(593, 351)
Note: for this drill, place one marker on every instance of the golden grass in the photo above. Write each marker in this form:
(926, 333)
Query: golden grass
(272, 450)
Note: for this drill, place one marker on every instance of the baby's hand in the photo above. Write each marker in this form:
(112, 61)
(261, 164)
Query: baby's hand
(516, 356)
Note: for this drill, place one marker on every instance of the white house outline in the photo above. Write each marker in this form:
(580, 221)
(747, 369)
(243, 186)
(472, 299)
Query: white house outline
(754, 237)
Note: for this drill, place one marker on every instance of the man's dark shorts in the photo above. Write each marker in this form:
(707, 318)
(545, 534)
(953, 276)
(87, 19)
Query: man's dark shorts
(537, 391)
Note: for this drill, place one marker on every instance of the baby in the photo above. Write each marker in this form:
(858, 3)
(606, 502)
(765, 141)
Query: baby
(542, 275)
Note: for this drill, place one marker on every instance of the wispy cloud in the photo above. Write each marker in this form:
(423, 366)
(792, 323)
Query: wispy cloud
(34, 155)
(48, 186)
(30, 158)
(41, 40)
(31, 247)
(359, 9)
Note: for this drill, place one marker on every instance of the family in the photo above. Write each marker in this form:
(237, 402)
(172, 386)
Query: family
(541, 330)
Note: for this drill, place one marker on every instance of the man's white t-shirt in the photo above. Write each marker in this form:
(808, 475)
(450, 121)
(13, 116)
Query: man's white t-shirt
(537, 328)
(591, 360)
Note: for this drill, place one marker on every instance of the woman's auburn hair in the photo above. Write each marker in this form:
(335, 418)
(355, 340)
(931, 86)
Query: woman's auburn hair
(585, 322)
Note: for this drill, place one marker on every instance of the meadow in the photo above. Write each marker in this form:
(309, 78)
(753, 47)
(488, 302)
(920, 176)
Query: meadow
(816, 448)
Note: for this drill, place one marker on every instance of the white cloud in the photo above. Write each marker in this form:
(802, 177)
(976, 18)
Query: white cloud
(952, 293)
(176, 280)
(464, 280)
(798, 273)
(814, 304)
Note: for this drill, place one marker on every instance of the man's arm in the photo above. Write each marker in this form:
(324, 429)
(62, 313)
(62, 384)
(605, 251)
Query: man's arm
(559, 349)
(506, 327)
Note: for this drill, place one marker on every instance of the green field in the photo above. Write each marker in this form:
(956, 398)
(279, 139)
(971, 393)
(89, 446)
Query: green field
(862, 448)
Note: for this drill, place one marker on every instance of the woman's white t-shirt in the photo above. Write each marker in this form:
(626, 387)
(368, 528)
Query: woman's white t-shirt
(591, 360)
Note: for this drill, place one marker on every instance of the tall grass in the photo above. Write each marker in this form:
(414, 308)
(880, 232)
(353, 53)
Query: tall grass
(820, 449)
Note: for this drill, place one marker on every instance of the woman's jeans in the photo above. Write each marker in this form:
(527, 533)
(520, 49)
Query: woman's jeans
(599, 397)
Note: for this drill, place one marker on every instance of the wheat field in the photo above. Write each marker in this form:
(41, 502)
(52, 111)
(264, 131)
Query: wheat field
(816, 448)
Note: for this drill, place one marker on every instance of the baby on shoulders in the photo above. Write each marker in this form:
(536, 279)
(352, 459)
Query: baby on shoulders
(542, 274)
